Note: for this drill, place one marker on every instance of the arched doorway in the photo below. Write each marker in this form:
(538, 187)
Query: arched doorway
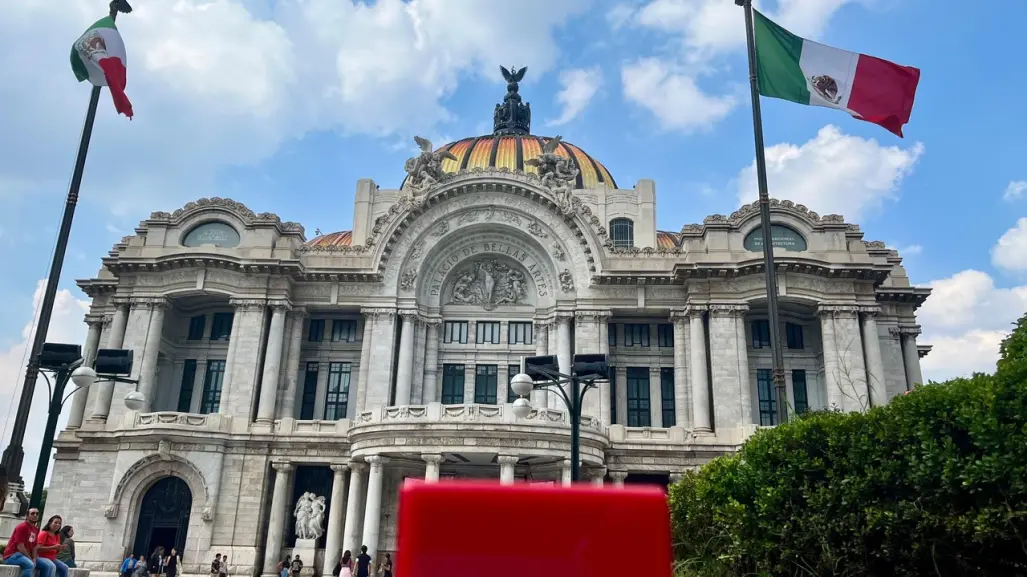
(164, 517)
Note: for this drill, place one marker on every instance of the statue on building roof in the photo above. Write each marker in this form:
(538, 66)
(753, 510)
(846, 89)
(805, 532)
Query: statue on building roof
(558, 173)
(425, 170)
(512, 116)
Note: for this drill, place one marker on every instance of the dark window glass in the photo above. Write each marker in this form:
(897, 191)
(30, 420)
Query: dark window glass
(309, 392)
(799, 391)
(185, 394)
(337, 396)
(665, 335)
(613, 395)
(793, 333)
(212, 383)
(622, 232)
(767, 396)
(667, 396)
(636, 335)
(519, 333)
(638, 397)
(316, 330)
(196, 326)
(760, 334)
(485, 384)
(487, 332)
(344, 330)
(511, 371)
(611, 334)
(452, 384)
(454, 332)
(221, 326)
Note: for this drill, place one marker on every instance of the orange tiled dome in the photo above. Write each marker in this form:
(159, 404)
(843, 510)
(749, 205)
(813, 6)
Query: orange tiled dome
(666, 239)
(341, 238)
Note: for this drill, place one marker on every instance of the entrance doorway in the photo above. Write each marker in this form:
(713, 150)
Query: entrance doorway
(164, 517)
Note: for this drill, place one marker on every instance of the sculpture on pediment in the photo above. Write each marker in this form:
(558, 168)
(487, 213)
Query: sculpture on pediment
(309, 515)
(557, 172)
(424, 171)
(489, 283)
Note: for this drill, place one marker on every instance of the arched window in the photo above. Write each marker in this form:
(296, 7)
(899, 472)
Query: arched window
(622, 232)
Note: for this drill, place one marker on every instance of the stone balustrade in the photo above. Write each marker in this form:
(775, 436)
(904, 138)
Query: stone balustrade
(214, 422)
(439, 413)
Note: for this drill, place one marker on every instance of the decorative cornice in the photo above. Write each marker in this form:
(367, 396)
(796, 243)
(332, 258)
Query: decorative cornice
(838, 309)
(905, 330)
(752, 210)
(729, 308)
(247, 216)
(280, 305)
(871, 310)
(596, 316)
(408, 315)
(150, 302)
(244, 304)
(376, 313)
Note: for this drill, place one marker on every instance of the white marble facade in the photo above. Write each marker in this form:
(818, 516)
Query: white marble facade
(368, 356)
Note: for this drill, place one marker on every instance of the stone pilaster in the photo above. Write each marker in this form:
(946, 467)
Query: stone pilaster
(681, 396)
(239, 307)
(565, 473)
(701, 419)
(272, 364)
(656, 399)
(148, 367)
(875, 363)
(605, 407)
(540, 327)
(618, 478)
(373, 508)
(420, 352)
(432, 465)
(279, 512)
(379, 381)
(405, 368)
(241, 368)
(365, 357)
(333, 541)
(292, 366)
(586, 340)
(844, 369)
(115, 340)
(911, 356)
(78, 399)
(507, 467)
(732, 400)
(563, 354)
(354, 506)
(430, 389)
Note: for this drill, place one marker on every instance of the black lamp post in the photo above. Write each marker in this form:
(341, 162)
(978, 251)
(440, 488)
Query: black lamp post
(67, 364)
(544, 373)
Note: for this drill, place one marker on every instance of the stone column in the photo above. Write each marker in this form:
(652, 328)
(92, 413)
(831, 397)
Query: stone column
(507, 464)
(233, 344)
(148, 367)
(372, 509)
(911, 356)
(354, 507)
(405, 366)
(729, 366)
(430, 388)
(875, 364)
(292, 366)
(565, 473)
(279, 512)
(701, 421)
(618, 478)
(656, 399)
(380, 369)
(605, 414)
(105, 389)
(78, 399)
(433, 463)
(333, 541)
(272, 364)
(563, 342)
(844, 369)
(540, 397)
(681, 330)
(365, 357)
(597, 476)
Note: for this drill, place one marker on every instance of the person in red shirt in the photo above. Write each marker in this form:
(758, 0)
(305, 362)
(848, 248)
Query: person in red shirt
(48, 543)
(21, 547)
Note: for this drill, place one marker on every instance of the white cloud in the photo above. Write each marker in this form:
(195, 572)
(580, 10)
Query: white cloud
(833, 173)
(1010, 252)
(673, 96)
(213, 85)
(965, 319)
(908, 249)
(66, 326)
(1015, 190)
(578, 87)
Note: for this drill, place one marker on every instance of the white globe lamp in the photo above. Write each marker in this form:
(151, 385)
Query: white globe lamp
(135, 401)
(521, 408)
(522, 385)
(83, 377)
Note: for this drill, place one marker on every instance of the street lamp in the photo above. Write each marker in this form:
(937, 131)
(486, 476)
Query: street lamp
(67, 364)
(543, 372)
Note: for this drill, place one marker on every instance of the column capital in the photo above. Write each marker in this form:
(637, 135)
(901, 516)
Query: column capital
(618, 476)
(870, 310)
(540, 324)
(432, 321)
(93, 319)
(376, 460)
(280, 306)
(432, 458)
(282, 467)
(837, 309)
(598, 472)
(150, 302)
(566, 463)
(299, 311)
(357, 467)
(905, 330)
(408, 315)
(729, 309)
(563, 316)
(245, 303)
(340, 467)
(375, 313)
(508, 459)
(121, 301)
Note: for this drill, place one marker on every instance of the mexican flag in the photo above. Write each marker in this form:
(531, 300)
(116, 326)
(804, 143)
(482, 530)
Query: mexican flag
(796, 69)
(99, 56)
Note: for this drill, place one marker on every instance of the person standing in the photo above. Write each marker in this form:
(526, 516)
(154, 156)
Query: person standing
(67, 554)
(156, 564)
(215, 566)
(386, 566)
(48, 543)
(224, 566)
(345, 566)
(283, 566)
(171, 563)
(21, 547)
(296, 566)
(128, 566)
(363, 563)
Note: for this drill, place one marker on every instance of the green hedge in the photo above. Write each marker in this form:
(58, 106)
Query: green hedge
(935, 483)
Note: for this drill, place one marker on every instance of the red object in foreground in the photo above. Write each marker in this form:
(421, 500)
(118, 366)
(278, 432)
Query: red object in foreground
(454, 529)
(883, 92)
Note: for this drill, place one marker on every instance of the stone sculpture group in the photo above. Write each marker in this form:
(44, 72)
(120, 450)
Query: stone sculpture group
(309, 513)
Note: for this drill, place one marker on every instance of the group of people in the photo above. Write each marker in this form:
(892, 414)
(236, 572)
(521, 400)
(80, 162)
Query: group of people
(348, 566)
(160, 563)
(51, 549)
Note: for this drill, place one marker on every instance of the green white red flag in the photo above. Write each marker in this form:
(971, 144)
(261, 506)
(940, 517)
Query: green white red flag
(99, 57)
(793, 68)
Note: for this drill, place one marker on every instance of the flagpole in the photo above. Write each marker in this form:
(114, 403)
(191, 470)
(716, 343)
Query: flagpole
(773, 314)
(14, 454)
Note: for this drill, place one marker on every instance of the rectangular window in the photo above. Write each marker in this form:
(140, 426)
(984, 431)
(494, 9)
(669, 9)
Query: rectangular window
(613, 395)
(485, 384)
(196, 326)
(511, 371)
(309, 391)
(212, 383)
(455, 332)
(453, 384)
(487, 332)
(793, 333)
(344, 331)
(665, 335)
(767, 396)
(519, 334)
(760, 334)
(185, 394)
(316, 330)
(611, 334)
(636, 335)
(638, 397)
(667, 396)
(221, 326)
(337, 397)
(799, 391)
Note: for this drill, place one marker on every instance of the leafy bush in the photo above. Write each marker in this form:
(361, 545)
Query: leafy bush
(935, 483)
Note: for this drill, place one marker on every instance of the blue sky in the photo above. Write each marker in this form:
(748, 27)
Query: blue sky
(283, 105)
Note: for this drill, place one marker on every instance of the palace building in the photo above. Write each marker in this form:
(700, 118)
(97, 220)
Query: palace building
(274, 365)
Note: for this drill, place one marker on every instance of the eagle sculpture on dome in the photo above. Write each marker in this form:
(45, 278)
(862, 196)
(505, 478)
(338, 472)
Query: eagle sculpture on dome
(557, 172)
(424, 171)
